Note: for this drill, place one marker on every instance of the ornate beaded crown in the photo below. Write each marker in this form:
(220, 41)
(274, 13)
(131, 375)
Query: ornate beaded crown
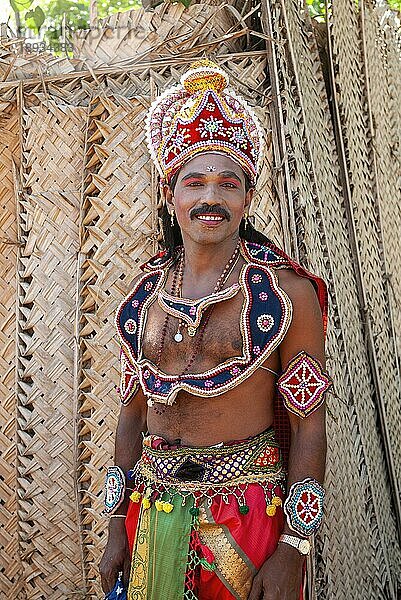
(203, 115)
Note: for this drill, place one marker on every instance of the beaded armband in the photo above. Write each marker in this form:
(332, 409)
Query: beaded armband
(114, 489)
(303, 506)
(129, 381)
(303, 385)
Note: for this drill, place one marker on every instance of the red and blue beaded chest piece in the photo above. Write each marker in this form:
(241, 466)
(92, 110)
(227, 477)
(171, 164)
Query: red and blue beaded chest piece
(265, 317)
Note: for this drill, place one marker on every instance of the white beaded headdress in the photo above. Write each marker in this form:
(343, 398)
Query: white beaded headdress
(201, 114)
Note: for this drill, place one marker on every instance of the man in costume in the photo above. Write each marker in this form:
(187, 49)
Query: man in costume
(222, 338)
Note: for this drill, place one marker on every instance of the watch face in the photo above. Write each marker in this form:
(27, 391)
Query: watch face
(304, 547)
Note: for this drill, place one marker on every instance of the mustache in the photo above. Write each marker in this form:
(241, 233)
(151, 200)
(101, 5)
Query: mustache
(206, 209)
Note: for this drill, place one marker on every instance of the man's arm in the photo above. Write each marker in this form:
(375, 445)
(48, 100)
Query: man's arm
(128, 445)
(280, 577)
(308, 435)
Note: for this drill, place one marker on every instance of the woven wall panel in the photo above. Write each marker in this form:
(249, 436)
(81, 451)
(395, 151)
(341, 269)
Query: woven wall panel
(386, 157)
(10, 573)
(384, 78)
(152, 35)
(118, 227)
(265, 208)
(52, 130)
(342, 577)
(389, 204)
(15, 66)
(322, 224)
(49, 520)
(354, 103)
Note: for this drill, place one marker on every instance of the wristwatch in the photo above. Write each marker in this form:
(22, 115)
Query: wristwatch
(302, 545)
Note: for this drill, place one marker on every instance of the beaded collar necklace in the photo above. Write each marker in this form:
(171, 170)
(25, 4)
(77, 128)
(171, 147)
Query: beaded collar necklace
(176, 289)
(228, 269)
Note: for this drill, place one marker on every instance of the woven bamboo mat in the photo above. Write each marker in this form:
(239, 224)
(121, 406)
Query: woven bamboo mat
(383, 69)
(311, 242)
(18, 63)
(160, 33)
(388, 128)
(118, 231)
(354, 551)
(83, 209)
(50, 541)
(366, 150)
(10, 573)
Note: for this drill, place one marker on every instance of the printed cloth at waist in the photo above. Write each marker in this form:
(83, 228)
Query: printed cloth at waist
(254, 460)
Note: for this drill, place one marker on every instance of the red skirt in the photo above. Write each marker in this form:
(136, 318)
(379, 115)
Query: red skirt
(197, 548)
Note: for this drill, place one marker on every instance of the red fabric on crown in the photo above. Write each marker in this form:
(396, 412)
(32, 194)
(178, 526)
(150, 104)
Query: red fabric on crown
(210, 129)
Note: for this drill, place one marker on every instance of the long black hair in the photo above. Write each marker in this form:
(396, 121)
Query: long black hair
(172, 237)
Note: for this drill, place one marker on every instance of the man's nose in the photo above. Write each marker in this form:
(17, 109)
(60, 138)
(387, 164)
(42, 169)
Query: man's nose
(211, 194)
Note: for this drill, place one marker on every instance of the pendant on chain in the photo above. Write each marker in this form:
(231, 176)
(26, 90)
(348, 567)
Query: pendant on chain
(178, 337)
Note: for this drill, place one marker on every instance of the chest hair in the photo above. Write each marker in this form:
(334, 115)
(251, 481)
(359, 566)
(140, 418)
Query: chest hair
(221, 339)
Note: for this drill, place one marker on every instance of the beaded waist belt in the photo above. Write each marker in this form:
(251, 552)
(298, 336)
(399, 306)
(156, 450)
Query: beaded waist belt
(205, 472)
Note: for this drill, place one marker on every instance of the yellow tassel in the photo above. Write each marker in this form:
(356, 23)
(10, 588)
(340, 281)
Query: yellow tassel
(159, 505)
(276, 501)
(146, 503)
(135, 496)
(271, 510)
(167, 507)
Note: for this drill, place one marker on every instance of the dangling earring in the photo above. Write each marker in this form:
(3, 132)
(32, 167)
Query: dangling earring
(246, 220)
(172, 217)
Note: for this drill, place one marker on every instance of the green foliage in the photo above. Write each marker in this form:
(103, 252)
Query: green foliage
(20, 5)
(34, 19)
(395, 4)
(317, 9)
(49, 14)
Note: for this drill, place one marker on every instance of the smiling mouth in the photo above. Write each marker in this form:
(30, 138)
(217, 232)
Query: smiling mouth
(210, 218)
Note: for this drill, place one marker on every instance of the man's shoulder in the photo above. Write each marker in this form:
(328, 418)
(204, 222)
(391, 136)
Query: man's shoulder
(147, 280)
(296, 286)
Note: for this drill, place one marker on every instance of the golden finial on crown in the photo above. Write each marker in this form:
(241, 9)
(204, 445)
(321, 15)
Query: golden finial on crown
(204, 75)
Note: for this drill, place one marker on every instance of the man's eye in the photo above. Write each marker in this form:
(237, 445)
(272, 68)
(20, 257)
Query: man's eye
(229, 185)
(194, 184)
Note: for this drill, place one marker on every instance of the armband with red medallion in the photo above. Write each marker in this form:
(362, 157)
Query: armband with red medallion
(303, 385)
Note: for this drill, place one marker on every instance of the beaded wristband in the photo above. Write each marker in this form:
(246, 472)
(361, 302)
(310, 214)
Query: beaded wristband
(304, 506)
(114, 489)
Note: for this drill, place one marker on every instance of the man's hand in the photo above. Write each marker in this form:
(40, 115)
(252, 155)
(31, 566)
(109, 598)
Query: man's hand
(128, 447)
(280, 577)
(116, 556)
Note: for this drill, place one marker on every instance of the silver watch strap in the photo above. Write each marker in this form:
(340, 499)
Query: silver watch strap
(292, 540)
(301, 544)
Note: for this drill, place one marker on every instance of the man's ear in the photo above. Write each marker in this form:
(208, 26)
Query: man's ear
(167, 195)
(249, 197)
